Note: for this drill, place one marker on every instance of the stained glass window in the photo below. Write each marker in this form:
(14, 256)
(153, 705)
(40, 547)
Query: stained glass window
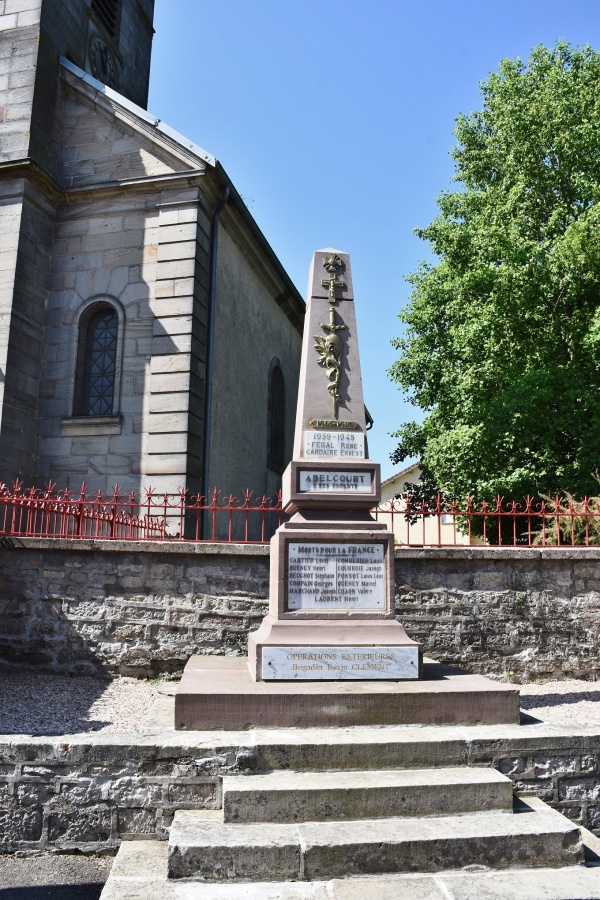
(97, 369)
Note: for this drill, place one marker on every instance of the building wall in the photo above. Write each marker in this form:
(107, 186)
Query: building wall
(138, 249)
(33, 33)
(418, 531)
(175, 446)
(24, 335)
(11, 209)
(115, 207)
(250, 330)
(19, 47)
(143, 249)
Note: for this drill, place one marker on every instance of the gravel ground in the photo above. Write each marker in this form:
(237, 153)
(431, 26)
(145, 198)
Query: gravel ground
(40, 703)
(568, 702)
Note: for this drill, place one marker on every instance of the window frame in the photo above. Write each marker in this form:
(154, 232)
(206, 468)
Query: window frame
(80, 337)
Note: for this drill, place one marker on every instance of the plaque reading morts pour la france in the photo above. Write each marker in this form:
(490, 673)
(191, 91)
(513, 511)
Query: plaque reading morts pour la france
(336, 576)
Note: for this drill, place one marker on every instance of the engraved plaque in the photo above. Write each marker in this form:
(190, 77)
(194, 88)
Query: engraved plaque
(344, 482)
(336, 576)
(334, 444)
(339, 663)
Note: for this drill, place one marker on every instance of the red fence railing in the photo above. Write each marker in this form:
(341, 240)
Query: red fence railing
(152, 516)
(546, 522)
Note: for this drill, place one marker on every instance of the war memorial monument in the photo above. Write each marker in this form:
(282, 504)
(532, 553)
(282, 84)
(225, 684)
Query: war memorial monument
(308, 804)
(330, 651)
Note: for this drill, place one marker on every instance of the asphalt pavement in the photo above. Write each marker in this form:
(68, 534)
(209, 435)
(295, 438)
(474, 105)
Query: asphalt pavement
(53, 876)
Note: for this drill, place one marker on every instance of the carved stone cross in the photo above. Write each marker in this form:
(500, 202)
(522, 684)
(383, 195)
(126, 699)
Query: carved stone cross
(331, 264)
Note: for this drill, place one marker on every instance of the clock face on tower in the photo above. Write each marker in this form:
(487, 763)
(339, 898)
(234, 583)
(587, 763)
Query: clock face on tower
(102, 62)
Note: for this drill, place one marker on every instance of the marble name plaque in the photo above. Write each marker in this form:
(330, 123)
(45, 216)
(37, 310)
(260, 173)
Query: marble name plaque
(343, 482)
(334, 444)
(335, 576)
(339, 663)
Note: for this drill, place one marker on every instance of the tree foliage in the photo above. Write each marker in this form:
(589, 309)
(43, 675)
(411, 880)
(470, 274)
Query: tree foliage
(502, 339)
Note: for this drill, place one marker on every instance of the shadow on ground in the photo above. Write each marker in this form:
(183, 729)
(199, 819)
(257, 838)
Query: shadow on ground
(53, 892)
(536, 701)
(43, 703)
(53, 877)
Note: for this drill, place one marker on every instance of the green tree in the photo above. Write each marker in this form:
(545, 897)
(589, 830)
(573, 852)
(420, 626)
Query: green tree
(502, 339)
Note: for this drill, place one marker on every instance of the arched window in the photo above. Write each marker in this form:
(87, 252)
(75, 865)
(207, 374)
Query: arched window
(96, 370)
(276, 419)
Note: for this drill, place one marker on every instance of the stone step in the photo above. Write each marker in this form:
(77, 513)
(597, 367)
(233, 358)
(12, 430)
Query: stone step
(202, 847)
(286, 796)
(140, 873)
(391, 747)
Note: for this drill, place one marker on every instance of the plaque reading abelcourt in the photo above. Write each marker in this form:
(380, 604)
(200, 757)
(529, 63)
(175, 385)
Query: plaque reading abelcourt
(339, 663)
(335, 576)
(348, 482)
(334, 444)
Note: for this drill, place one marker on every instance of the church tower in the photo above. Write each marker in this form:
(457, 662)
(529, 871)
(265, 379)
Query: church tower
(145, 321)
(111, 40)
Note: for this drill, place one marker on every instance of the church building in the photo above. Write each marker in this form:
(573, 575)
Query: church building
(148, 333)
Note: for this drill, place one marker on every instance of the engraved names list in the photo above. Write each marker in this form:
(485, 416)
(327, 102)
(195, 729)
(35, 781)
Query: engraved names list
(336, 576)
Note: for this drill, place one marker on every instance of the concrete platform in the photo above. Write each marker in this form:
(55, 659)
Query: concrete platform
(220, 693)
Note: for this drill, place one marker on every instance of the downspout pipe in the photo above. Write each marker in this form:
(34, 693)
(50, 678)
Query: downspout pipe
(210, 340)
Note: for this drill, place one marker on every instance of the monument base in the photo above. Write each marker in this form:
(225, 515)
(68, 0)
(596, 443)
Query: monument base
(332, 650)
(219, 692)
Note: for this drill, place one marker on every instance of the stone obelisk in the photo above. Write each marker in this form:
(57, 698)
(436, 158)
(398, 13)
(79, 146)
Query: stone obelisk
(331, 606)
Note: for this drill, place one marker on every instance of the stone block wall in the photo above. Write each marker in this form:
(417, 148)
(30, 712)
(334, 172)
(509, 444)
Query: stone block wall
(93, 795)
(90, 607)
(19, 46)
(90, 792)
(99, 607)
(516, 613)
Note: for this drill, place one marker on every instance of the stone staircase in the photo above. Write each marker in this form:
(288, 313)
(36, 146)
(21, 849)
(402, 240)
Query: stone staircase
(389, 831)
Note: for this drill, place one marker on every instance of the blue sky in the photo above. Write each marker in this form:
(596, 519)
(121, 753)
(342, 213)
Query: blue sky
(334, 120)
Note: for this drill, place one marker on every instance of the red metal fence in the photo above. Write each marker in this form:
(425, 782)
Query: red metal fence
(133, 517)
(152, 516)
(546, 522)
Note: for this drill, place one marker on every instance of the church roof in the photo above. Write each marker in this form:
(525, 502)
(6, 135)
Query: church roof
(192, 158)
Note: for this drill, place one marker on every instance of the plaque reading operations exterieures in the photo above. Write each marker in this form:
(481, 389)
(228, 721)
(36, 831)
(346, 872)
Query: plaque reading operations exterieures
(334, 444)
(335, 576)
(339, 663)
(323, 481)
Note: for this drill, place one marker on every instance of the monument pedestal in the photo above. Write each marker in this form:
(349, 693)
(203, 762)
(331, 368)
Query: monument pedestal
(220, 693)
(330, 652)
(335, 650)
(331, 605)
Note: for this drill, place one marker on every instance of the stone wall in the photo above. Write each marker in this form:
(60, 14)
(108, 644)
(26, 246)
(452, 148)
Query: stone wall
(516, 613)
(89, 792)
(101, 606)
(90, 607)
